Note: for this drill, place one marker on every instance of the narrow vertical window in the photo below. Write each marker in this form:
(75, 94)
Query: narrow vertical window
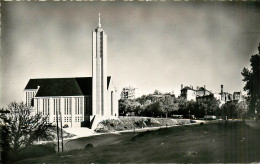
(81, 105)
(67, 106)
(59, 105)
(75, 105)
(54, 106)
(26, 99)
(38, 104)
(43, 106)
(48, 107)
(64, 106)
(30, 95)
(70, 106)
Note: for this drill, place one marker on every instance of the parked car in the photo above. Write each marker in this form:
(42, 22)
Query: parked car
(210, 117)
(177, 116)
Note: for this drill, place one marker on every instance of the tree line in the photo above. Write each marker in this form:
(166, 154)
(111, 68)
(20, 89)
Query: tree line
(167, 105)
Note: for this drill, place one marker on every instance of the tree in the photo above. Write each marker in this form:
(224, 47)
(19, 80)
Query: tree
(209, 106)
(234, 109)
(22, 127)
(157, 92)
(167, 104)
(241, 109)
(251, 77)
(127, 105)
(153, 109)
(229, 109)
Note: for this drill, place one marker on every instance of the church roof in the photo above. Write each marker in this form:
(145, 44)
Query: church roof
(76, 86)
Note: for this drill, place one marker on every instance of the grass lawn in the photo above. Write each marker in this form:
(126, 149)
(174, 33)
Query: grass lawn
(219, 142)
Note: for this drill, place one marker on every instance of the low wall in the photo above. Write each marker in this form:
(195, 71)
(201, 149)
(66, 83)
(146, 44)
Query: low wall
(128, 123)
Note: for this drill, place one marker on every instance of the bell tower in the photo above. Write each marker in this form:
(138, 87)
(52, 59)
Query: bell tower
(99, 71)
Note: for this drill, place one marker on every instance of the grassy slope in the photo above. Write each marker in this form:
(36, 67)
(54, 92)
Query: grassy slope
(233, 142)
(128, 123)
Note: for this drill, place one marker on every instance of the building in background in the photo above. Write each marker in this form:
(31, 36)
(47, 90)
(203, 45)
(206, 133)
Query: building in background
(130, 93)
(238, 97)
(188, 93)
(79, 100)
(202, 93)
(192, 94)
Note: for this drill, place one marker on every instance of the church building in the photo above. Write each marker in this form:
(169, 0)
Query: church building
(77, 101)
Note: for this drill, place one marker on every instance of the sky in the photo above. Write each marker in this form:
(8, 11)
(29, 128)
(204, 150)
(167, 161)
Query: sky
(151, 45)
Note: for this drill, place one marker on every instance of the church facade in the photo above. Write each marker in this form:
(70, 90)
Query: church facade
(77, 101)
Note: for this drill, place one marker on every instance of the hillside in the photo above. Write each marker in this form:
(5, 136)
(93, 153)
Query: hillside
(129, 123)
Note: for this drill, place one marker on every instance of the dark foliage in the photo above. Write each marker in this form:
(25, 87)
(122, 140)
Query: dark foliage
(20, 129)
(251, 77)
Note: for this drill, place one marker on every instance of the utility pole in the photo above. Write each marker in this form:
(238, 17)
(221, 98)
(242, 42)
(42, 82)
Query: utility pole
(61, 129)
(57, 121)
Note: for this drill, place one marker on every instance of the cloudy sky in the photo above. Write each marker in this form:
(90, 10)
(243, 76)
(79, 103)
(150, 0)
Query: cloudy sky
(151, 45)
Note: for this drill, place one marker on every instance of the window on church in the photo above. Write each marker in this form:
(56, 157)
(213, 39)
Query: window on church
(46, 107)
(76, 106)
(54, 106)
(26, 98)
(81, 105)
(67, 106)
(30, 99)
(43, 106)
(38, 104)
(70, 105)
(58, 106)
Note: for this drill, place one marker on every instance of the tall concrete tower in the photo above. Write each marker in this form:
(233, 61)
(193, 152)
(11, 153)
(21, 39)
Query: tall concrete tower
(99, 71)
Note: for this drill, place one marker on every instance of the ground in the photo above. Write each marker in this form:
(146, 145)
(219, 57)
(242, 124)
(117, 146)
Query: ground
(220, 142)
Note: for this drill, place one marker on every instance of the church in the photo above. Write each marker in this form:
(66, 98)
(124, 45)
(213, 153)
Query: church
(77, 101)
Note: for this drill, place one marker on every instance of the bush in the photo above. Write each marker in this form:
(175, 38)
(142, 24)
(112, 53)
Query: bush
(89, 146)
